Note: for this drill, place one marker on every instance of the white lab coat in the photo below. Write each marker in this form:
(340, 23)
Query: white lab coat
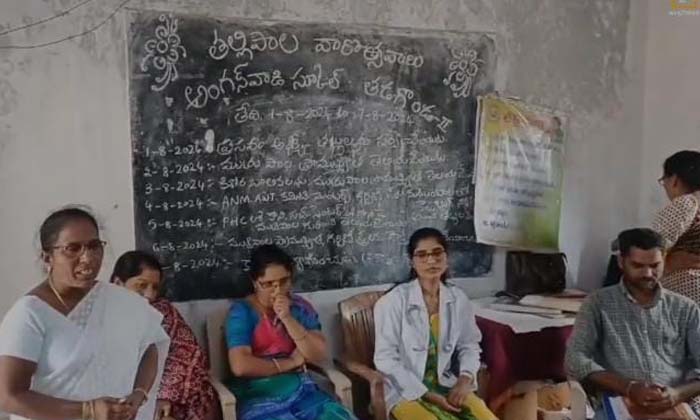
(402, 331)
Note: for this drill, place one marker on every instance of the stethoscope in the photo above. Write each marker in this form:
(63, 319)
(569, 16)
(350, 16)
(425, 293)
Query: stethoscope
(447, 344)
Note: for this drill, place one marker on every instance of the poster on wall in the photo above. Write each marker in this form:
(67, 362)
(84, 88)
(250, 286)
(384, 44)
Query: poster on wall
(518, 174)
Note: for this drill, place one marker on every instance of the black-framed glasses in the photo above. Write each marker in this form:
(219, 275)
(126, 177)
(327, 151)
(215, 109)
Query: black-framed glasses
(661, 180)
(76, 249)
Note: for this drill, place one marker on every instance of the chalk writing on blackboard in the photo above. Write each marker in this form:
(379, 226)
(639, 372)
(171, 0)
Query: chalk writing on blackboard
(335, 142)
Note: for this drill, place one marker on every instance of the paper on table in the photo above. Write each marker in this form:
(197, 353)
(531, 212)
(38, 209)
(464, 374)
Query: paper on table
(522, 323)
(616, 409)
(571, 293)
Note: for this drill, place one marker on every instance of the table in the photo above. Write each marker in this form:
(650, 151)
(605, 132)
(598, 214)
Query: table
(512, 357)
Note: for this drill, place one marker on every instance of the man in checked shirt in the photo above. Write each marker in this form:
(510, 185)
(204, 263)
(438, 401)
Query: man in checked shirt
(635, 338)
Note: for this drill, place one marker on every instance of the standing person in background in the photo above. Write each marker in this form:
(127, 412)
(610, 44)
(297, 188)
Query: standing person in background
(679, 223)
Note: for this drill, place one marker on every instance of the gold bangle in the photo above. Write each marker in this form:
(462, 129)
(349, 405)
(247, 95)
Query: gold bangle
(277, 365)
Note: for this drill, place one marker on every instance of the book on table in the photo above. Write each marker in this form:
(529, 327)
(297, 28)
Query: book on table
(510, 307)
(565, 304)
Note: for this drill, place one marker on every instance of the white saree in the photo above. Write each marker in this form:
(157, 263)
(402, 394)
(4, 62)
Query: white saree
(93, 352)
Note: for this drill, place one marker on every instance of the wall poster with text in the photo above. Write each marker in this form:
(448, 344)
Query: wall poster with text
(518, 174)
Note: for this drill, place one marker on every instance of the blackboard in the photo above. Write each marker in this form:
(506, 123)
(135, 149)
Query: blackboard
(335, 142)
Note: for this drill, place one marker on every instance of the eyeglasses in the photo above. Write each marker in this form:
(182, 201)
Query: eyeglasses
(267, 285)
(76, 249)
(423, 256)
(661, 180)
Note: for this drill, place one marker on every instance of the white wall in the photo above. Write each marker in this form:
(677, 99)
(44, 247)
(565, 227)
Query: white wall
(671, 99)
(64, 133)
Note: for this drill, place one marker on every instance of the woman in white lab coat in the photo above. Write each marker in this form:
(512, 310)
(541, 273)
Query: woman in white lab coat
(427, 341)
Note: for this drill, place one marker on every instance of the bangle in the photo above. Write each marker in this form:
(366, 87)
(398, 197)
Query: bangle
(277, 365)
(143, 392)
(629, 387)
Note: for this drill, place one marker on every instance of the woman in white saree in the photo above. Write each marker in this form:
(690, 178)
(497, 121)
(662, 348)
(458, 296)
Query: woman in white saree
(73, 347)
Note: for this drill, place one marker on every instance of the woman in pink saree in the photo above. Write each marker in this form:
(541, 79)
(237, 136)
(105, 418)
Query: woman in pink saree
(185, 391)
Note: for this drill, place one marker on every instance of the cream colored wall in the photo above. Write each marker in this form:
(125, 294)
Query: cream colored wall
(64, 131)
(671, 99)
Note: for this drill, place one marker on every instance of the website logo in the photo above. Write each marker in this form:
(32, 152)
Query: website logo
(685, 8)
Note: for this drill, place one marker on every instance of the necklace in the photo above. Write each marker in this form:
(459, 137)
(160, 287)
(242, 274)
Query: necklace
(58, 295)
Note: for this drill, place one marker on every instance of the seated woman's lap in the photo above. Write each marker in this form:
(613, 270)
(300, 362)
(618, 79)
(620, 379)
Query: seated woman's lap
(307, 403)
(324, 409)
(315, 404)
(409, 410)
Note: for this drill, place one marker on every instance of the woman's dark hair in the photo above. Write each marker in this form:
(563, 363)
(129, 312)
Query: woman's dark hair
(54, 224)
(686, 166)
(266, 255)
(132, 263)
(419, 235)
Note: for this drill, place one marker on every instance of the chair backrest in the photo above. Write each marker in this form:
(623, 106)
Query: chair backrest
(216, 340)
(357, 321)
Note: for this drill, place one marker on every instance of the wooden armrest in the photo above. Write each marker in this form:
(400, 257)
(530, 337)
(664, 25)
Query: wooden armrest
(374, 378)
(370, 375)
(341, 383)
(226, 398)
